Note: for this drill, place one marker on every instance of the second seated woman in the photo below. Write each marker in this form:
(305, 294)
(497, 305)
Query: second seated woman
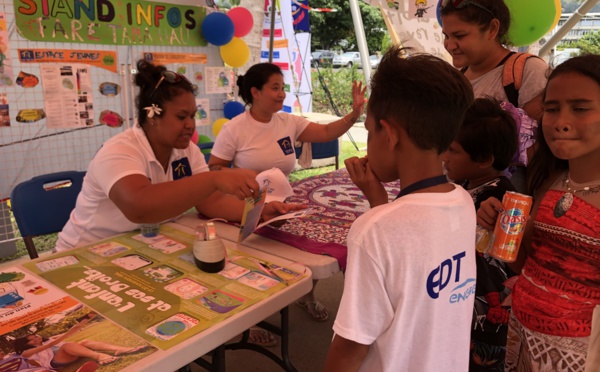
(262, 137)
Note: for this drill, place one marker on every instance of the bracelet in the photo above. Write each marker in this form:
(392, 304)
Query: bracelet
(346, 122)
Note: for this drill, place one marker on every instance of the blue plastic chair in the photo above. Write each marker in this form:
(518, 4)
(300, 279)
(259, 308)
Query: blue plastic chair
(324, 150)
(43, 204)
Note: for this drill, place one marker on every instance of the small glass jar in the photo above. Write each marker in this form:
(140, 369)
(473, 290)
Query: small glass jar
(149, 230)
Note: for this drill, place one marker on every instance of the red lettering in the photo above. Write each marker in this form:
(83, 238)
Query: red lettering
(31, 7)
(158, 14)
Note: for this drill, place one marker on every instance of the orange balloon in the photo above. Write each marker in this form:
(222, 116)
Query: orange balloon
(558, 6)
(218, 125)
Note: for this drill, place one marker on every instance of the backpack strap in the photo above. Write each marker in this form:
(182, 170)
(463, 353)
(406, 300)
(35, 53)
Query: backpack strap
(512, 75)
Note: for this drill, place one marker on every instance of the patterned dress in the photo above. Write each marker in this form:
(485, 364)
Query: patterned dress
(555, 296)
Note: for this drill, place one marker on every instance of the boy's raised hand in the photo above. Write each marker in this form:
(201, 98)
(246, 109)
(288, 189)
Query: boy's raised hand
(362, 175)
(488, 211)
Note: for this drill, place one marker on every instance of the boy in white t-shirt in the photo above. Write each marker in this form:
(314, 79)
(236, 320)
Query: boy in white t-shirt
(409, 288)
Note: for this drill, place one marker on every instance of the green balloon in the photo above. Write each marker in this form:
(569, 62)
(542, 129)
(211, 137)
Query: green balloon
(204, 139)
(529, 20)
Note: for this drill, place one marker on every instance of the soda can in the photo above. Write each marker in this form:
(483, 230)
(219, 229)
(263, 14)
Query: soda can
(510, 226)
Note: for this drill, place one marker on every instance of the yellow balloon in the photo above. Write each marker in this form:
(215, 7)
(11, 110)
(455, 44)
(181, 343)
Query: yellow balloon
(235, 53)
(218, 125)
(558, 6)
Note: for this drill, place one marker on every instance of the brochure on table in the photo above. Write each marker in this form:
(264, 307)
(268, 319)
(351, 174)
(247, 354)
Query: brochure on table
(152, 287)
(30, 305)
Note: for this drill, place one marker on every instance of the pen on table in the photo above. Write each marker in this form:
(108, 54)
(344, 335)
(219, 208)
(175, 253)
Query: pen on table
(264, 267)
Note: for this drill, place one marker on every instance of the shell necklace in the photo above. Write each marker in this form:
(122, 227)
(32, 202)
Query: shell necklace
(566, 201)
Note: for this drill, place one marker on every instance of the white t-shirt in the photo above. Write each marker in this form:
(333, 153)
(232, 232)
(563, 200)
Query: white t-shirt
(95, 216)
(534, 81)
(260, 146)
(398, 255)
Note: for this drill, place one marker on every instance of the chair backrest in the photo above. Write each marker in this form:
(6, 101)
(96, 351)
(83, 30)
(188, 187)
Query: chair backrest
(324, 150)
(43, 204)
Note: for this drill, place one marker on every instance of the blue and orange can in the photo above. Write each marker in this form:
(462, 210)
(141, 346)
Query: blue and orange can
(510, 226)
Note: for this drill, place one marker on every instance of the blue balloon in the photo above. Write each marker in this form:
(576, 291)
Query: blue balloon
(233, 109)
(217, 28)
(438, 13)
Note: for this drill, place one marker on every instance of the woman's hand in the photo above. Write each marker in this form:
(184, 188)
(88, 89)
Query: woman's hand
(275, 208)
(488, 211)
(358, 99)
(363, 176)
(239, 182)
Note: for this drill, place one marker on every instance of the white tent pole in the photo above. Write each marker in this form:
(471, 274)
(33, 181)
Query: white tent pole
(361, 40)
(566, 27)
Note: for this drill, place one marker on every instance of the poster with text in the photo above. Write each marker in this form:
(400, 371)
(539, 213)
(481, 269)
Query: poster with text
(68, 95)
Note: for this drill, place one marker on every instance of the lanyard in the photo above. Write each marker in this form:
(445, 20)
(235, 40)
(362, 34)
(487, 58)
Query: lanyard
(422, 184)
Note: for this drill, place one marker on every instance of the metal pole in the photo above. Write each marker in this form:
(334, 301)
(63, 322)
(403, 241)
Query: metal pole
(566, 27)
(272, 29)
(361, 40)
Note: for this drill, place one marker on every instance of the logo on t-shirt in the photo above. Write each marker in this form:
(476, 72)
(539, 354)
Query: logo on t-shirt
(449, 273)
(286, 145)
(181, 168)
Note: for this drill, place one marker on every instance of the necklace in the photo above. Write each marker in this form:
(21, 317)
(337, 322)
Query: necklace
(566, 201)
(422, 184)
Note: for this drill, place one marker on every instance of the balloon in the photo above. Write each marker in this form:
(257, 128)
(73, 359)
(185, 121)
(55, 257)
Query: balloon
(217, 28)
(235, 53)
(242, 21)
(194, 138)
(438, 13)
(218, 125)
(203, 138)
(558, 6)
(525, 28)
(233, 109)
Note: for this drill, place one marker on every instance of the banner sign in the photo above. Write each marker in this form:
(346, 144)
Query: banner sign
(113, 22)
(98, 58)
(160, 58)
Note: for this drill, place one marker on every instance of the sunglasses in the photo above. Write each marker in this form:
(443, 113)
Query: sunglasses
(172, 78)
(459, 4)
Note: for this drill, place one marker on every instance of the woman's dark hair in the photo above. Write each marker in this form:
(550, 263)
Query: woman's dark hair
(544, 163)
(21, 344)
(256, 76)
(489, 131)
(474, 14)
(148, 75)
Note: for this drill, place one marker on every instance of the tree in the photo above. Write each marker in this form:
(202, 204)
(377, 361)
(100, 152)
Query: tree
(336, 30)
(570, 6)
(588, 44)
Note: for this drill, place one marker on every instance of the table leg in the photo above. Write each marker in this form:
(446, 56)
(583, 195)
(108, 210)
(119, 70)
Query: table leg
(218, 355)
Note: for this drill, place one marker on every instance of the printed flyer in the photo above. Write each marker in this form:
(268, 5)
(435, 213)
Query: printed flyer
(152, 287)
(34, 313)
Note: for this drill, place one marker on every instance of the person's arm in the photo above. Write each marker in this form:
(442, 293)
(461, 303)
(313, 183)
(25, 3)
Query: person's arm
(143, 202)
(534, 108)
(324, 133)
(362, 175)
(216, 163)
(488, 212)
(345, 355)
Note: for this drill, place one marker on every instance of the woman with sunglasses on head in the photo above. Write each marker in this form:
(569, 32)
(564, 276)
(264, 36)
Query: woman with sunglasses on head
(151, 173)
(476, 36)
(263, 137)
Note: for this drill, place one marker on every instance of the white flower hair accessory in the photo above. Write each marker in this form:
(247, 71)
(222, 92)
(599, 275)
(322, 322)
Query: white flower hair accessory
(153, 110)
